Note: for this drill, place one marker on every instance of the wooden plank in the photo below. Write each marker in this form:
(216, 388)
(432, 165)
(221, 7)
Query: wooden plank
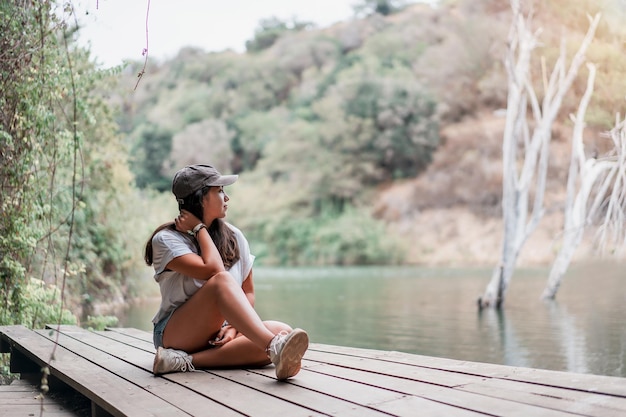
(572, 401)
(527, 393)
(583, 382)
(353, 398)
(23, 399)
(18, 385)
(404, 370)
(322, 394)
(22, 411)
(551, 397)
(144, 342)
(102, 387)
(267, 385)
(135, 366)
(347, 381)
(373, 395)
(370, 397)
(132, 332)
(213, 385)
(246, 400)
(236, 396)
(312, 399)
(450, 398)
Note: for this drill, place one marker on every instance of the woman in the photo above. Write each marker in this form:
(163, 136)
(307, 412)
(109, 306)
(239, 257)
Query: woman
(204, 269)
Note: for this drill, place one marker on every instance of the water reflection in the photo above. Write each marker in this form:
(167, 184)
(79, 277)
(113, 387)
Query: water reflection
(571, 337)
(502, 334)
(433, 312)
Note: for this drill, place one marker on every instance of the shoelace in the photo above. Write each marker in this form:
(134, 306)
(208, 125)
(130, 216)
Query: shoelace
(273, 345)
(186, 365)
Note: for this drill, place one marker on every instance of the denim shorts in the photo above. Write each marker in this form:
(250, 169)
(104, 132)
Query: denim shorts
(159, 328)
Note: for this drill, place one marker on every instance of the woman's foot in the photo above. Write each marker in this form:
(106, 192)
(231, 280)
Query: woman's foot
(171, 360)
(286, 351)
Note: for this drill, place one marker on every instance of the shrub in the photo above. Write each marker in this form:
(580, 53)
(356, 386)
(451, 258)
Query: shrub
(41, 304)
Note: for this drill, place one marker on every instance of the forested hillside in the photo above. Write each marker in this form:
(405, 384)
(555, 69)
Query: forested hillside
(323, 124)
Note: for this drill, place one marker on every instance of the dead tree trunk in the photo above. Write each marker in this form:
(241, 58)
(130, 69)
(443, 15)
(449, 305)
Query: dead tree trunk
(611, 211)
(526, 171)
(603, 182)
(581, 176)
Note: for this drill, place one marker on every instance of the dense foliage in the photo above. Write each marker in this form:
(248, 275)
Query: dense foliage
(313, 121)
(63, 171)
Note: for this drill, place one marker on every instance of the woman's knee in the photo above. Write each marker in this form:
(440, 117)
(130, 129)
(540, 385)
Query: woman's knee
(219, 280)
(277, 326)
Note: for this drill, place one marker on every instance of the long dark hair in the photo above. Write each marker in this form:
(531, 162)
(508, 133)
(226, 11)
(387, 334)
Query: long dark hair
(222, 235)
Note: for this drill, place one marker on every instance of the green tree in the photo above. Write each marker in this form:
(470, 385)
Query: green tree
(385, 128)
(255, 131)
(151, 149)
(27, 131)
(383, 7)
(63, 166)
(271, 29)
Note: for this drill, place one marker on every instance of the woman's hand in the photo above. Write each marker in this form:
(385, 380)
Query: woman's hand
(203, 264)
(225, 335)
(186, 221)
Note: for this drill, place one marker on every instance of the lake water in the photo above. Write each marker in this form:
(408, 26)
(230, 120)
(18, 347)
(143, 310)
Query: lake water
(434, 312)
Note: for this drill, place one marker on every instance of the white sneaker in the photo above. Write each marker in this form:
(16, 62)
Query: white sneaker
(171, 360)
(286, 351)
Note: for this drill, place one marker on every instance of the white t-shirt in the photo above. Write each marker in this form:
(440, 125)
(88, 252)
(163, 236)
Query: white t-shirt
(176, 288)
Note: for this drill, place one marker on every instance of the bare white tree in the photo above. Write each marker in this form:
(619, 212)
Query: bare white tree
(596, 193)
(525, 149)
(581, 177)
(612, 210)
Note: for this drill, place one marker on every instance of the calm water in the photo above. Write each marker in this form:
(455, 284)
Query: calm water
(433, 312)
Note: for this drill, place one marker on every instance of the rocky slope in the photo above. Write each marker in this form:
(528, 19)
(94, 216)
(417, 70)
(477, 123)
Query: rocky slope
(451, 213)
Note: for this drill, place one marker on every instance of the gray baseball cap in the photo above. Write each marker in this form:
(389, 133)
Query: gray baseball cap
(194, 177)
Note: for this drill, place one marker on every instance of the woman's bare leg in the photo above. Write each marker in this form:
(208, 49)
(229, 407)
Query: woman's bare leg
(197, 321)
(238, 352)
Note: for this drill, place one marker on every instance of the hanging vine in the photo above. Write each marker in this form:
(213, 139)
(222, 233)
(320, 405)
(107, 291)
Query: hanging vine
(63, 168)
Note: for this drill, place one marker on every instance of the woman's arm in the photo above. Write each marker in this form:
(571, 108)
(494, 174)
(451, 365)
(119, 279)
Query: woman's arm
(248, 288)
(202, 266)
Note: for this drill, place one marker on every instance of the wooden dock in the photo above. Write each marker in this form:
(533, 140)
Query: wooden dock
(111, 371)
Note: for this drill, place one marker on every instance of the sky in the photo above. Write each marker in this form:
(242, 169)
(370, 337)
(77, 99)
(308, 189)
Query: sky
(115, 30)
